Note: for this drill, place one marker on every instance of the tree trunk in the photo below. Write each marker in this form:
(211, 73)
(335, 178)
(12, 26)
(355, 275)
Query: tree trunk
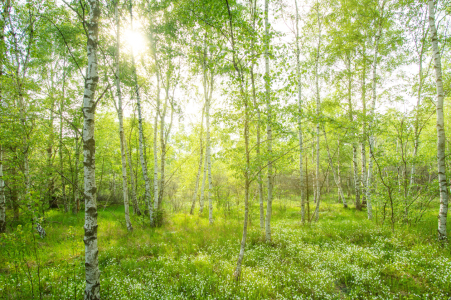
(92, 273)
(155, 124)
(441, 139)
(421, 52)
(202, 190)
(337, 178)
(136, 209)
(369, 187)
(269, 125)
(76, 207)
(163, 143)
(121, 123)
(2, 195)
(257, 109)
(208, 148)
(363, 140)
(63, 180)
(354, 146)
(300, 115)
(5, 15)
(238, 68)
(318, 111)
(51, 181)
(141, 134)
(201, 154)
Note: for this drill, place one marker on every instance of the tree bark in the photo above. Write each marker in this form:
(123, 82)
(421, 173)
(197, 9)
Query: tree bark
(300, 115)
(5, 14)
(92, 273)
(441, 139)
(2, 195)
(76, 207)
(253, 10)
(318, 111)
(337, 178)
(208, 148)
(121, 123)
(354, 146)
(202, 190)
(369, 187)
(63, 180)
(141, 134)
(136, 209)
(364, 133)
(51, 181)
(201, 154)
(269, 125)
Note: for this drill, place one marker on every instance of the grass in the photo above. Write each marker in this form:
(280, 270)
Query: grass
(343, 256)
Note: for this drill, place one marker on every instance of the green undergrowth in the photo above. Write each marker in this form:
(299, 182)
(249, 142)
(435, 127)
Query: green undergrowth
(343, 256)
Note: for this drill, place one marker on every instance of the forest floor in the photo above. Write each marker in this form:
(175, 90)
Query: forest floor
(343, 256)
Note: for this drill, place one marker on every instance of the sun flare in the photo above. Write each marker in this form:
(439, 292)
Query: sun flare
(135, 41)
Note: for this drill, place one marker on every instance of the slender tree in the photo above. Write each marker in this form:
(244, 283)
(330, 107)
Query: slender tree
(121, 121)
(268, 126)
(300, 114)
(318, 111)
(2, 195)
(441, 138)
(140, 128)
(199, 170)
(92, 273)
(369, 187)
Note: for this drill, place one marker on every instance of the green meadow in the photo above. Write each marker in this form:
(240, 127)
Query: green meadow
(343, 256)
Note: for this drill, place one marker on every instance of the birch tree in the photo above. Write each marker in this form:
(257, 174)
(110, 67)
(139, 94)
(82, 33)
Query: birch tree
(199, 170)
(441, 138)
(121, 121)
(372, 111)
(336, 174)
(253, 12)
(2, 195)
(268, 126)
(300, 114)
(318, 111)
(92, 273)
(140, 129)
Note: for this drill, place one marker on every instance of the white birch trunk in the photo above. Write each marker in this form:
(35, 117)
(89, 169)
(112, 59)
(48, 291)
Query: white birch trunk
(155, 125)
(141, 135)
(253, 8)
(202, 190)
(2, 195)
(163, 143)
(364, 132)
(63, 180)
(369, 187)
(208, 149)
(199, 170)
(76, 206)
(318, 111)
(5, 14)
(354, 146)
(136, 209)
(420, 88)
(121, 123)
(337, 178)
(50, 179)
(92, 273)
(300, 114)
(441, 139)
(269, 127)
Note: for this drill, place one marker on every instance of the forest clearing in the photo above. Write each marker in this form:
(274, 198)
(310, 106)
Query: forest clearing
(343, 256)
(225, 149)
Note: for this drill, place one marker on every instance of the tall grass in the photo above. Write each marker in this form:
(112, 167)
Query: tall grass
(343, 256)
